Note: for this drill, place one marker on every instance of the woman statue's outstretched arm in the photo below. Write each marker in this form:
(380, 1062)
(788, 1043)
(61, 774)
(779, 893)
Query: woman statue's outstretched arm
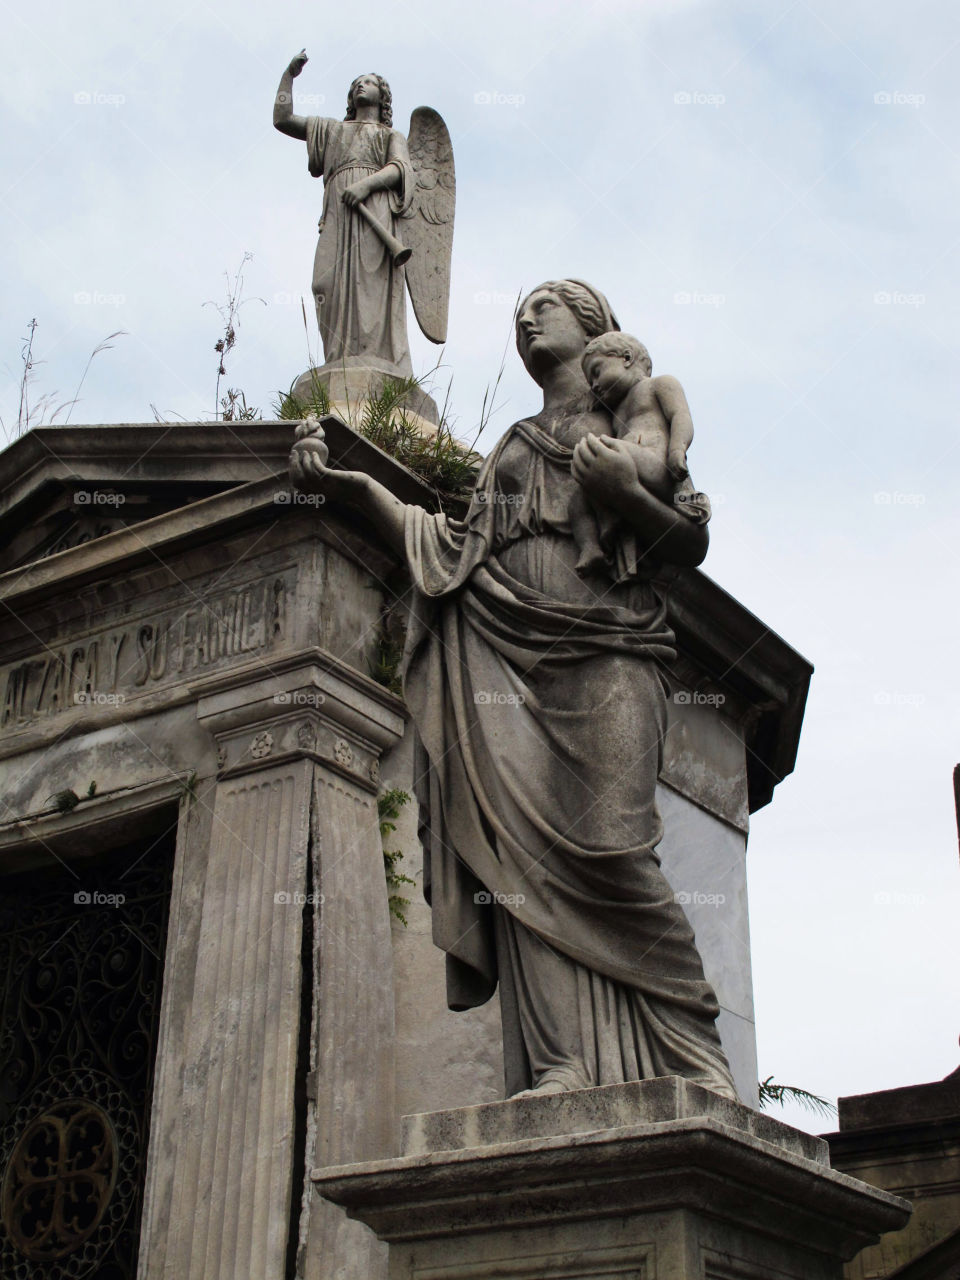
(283, 117)
(356, 488)
(607, 472)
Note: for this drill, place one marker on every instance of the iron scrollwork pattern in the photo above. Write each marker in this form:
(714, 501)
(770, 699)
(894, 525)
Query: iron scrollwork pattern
(81, 967)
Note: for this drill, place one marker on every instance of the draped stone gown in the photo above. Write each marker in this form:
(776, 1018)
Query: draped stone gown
(541, 711)
(358, 290)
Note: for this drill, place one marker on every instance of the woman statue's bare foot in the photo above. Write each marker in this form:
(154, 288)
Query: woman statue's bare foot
(547, 1087)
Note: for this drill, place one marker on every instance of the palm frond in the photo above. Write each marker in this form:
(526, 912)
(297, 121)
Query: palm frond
(772, 1093)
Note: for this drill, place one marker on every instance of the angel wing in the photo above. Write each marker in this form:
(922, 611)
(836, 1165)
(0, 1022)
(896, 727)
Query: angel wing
(428, 229)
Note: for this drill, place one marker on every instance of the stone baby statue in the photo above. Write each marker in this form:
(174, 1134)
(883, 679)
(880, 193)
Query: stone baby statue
(650, 414)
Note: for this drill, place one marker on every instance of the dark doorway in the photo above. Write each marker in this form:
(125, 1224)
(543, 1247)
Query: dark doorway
(81, 970)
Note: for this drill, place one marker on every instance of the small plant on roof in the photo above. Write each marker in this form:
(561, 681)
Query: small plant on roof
(233, 406)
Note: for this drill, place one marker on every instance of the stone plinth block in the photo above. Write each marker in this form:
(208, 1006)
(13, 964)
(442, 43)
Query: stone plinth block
(656, 1179)
(350, 384)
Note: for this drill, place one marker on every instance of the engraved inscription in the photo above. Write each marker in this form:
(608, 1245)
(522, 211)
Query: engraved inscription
(131, 660)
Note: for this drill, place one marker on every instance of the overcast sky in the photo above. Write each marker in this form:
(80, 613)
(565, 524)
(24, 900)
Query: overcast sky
(767, 192)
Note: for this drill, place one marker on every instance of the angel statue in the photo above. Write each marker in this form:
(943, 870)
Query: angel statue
(388, 206)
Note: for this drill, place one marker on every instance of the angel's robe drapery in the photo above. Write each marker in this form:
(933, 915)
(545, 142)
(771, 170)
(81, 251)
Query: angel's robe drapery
(359, 292)
(541, 713)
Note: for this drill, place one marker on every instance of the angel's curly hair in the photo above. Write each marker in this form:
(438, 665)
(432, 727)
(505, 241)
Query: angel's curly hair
(386, 100)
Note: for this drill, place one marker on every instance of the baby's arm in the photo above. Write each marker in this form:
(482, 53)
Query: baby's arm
(676, 411)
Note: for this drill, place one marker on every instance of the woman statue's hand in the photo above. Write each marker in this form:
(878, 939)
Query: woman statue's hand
(605, 468)
(298, 63)
(310, 474)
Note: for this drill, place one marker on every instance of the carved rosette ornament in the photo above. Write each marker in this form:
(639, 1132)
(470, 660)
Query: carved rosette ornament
(343, 752)
(261, 745)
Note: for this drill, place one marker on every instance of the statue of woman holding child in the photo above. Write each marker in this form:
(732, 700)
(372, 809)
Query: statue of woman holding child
(533, 672)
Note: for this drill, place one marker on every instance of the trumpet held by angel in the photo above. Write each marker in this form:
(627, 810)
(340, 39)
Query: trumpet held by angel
(386, 225)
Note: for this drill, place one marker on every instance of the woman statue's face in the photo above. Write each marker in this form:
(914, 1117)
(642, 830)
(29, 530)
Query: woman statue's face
(548, 333)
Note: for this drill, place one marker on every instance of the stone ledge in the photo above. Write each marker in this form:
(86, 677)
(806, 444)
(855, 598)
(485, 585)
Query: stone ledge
(615, 1106)
(692, 1164)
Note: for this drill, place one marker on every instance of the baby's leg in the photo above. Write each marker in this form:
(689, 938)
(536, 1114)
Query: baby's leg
(652, 470)
(586, 535)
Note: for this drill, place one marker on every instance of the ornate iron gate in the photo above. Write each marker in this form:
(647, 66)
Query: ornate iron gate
(81, 967)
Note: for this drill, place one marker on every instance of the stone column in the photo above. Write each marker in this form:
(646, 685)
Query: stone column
(294, 825)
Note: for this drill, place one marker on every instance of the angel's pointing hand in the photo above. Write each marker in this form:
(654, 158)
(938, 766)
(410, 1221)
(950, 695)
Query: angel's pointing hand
(298, 63)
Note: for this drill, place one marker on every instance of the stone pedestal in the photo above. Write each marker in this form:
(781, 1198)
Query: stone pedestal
(657, 1179)
(348, 385)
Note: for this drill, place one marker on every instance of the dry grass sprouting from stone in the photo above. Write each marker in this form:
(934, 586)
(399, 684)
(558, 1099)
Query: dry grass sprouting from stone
(44, 410)
(441, 461)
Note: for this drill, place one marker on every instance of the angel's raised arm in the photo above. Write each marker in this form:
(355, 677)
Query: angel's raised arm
(283, 117)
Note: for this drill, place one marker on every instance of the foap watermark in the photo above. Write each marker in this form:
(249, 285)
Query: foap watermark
(487, 897)
(98, 498)
(697, 898)
(897, 298)
(494, 698)
(896, 898)
(697, 698)
(696, 498)
(297, 898)
(94, 298)
(884, 698)
(97, 98)
(97, 698)
(493, 298)
(697, 98)
(94, 898)
(894, 498)
(305, 101)
(300, 698)
(494, 98)
(686, 298)
(897, 98)
(496, 498)
(294, 498)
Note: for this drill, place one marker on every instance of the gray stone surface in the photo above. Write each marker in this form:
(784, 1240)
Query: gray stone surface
(615, 1106)
(704, 860)
(444, 1059)
(350, 386)
(697, 1188)
(907, 1141)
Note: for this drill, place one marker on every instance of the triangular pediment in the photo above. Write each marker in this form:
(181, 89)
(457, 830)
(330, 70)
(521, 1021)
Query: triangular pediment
(61, 487)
